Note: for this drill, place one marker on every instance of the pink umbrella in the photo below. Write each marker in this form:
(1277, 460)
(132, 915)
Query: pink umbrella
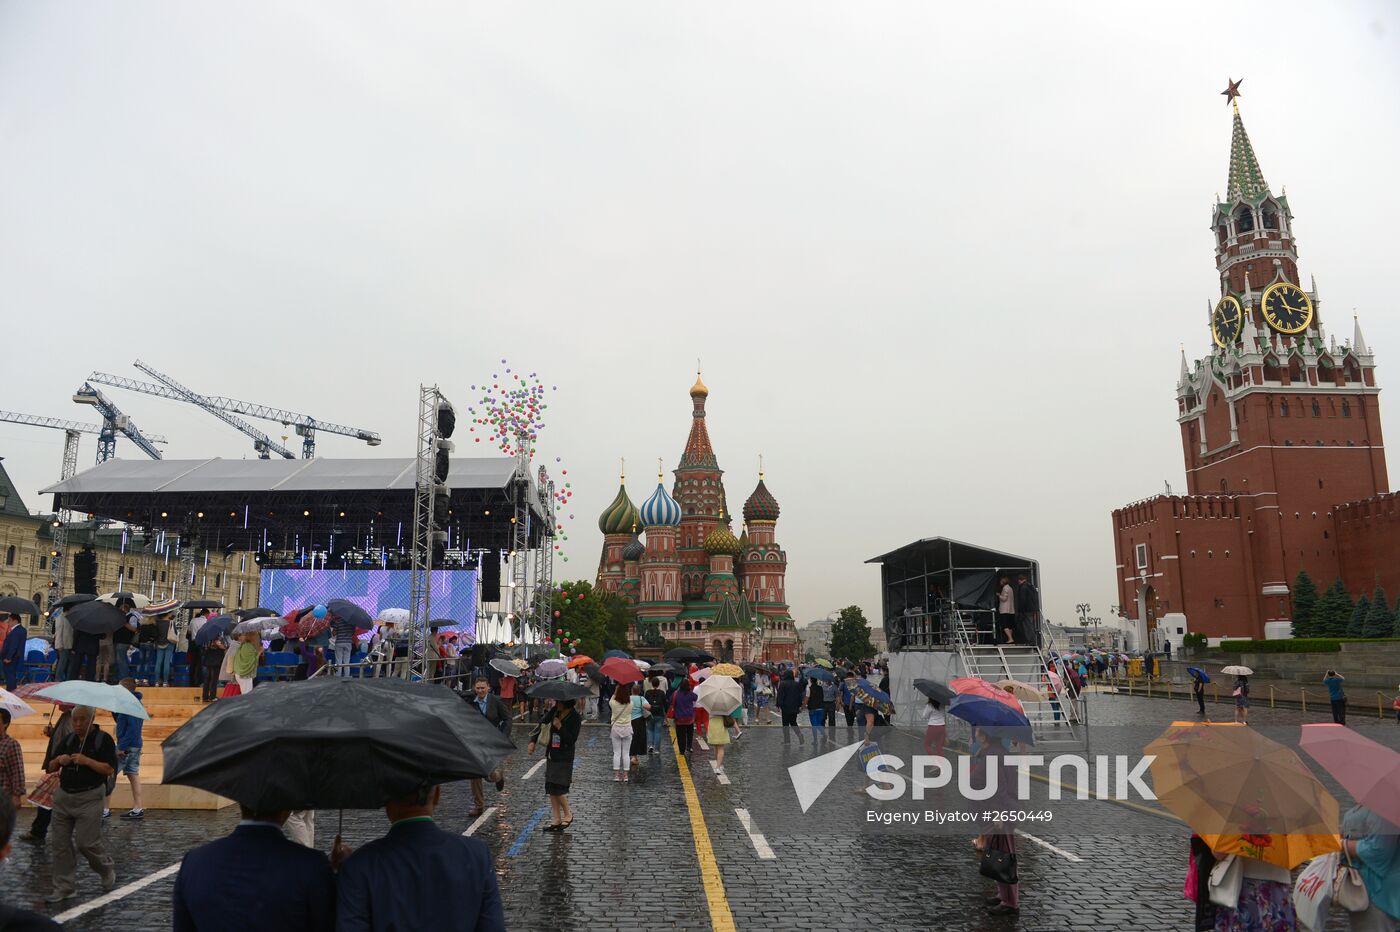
(973, 686)
(699, 675)
(1369, 771)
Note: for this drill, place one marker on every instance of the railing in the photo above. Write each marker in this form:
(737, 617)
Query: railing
(1278, 697)
(937, 630)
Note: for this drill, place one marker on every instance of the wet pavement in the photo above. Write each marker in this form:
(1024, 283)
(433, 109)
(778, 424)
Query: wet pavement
(632, 859)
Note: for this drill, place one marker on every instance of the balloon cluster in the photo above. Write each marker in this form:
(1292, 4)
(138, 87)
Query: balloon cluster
(567, 640)
(511, 414)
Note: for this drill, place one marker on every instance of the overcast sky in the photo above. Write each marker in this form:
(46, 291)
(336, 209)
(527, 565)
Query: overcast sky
(937, 258)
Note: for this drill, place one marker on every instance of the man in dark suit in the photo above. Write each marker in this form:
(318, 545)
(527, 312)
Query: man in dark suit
(419, 877)
(12, 652)
(497, 713)
(224, 885)
(1027, 611)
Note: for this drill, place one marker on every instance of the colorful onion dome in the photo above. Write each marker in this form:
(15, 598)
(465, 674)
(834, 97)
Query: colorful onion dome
(621, 516)
(721, 541)
(634, 550)
(761, 506)
(661, 509)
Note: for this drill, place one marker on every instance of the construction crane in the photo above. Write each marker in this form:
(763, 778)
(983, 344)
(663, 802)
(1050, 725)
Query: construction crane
(262, 443)
(72, 431)
(114, 421)
(306, 426)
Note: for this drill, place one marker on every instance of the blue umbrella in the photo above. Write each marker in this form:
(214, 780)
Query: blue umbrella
(817, 673)
(617, 653)
(1002, 719)
(1197, 671)
(868, 693)
(213, 629)
(97, 695)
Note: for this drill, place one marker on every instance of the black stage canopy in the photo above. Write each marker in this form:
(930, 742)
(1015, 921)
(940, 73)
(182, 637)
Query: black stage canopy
(334, 504)
(935, 574)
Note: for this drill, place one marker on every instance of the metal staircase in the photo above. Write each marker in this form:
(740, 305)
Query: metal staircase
(1027, 663)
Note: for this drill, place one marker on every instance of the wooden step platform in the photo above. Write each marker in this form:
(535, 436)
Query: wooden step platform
(169, 708)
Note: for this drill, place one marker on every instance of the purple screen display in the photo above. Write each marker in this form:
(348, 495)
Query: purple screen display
(453, 592)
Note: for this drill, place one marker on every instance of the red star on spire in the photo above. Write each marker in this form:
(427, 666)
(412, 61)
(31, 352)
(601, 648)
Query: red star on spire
(1233, 91)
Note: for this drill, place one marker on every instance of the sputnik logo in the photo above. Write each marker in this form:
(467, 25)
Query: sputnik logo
(811, 777)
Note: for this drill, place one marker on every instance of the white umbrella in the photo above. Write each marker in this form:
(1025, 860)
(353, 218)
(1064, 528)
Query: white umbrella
(643, 665)
(719, 695)
(1236, 670)
(13, 704)
(137, 599)
(97, 695)
(396, 616)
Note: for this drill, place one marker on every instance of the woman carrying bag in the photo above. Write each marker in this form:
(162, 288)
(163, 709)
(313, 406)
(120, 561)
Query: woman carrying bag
(560, 732)
(620, 730)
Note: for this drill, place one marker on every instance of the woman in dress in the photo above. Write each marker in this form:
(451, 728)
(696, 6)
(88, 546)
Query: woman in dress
(560, 731)
(718, 737)
(640, 708)
(1242, 699)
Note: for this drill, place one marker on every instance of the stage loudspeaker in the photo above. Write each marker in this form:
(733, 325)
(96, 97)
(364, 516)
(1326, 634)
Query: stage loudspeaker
(85, 571)
(491, 577)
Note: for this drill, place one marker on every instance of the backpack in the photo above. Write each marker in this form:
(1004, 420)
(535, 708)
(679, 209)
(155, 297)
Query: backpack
(657, 698)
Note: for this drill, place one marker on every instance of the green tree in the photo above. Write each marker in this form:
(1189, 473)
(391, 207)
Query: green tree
(582, 613)
(1334, 612)
(1305, 604)
(1358, 617)
(850, 635)
(1379, 621)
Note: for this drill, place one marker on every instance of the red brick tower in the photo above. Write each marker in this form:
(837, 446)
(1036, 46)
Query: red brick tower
(1280, 426)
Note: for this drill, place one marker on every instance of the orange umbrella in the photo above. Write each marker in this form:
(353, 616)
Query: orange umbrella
(1243, 793)
(974, 686)
(580, 660)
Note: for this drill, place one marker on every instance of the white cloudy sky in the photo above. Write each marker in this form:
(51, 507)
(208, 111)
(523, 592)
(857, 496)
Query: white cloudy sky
(937, 258)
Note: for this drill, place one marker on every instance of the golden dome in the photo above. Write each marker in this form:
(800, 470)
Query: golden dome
(698, 389)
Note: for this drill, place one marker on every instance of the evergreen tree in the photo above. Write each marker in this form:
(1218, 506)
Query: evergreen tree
(1334, 612)
(1379, 621)
(1358, 617)
(850, 635)
(1305, 606)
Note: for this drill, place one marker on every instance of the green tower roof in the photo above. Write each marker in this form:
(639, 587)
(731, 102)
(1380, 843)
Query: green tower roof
(1246, 177)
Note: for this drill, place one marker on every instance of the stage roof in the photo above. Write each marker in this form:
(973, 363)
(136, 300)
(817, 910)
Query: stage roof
(946, 553)
(232, 498)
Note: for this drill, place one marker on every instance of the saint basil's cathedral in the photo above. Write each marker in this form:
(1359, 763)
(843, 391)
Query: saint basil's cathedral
(1281, 436)
(688, 579)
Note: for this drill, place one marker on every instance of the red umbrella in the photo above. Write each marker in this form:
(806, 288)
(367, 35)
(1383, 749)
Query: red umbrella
(973, 686)
(620, 670)
(1369, 771)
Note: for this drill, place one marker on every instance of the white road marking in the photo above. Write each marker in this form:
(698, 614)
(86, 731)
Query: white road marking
(471, 829)
(721, 777)
(533, 770)
(1049, 847)
(760, 844)
(117, 894)
(703, 745)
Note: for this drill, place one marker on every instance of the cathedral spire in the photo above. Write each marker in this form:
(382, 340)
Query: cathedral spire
(1246, 180)
(698, 451)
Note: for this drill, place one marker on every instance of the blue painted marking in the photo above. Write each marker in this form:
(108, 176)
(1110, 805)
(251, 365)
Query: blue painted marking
(520, 840)
(591, 741)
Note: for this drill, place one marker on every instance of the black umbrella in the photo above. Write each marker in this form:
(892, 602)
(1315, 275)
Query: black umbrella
(935, 690)
(442, 623)
(14, 605)
(78, 598)
(203, 603)
(245, 613)
(214, 628)
(346, 610)
(557, 689)
(688, 655)
(333, 743)
(663, 667)
(95, 617)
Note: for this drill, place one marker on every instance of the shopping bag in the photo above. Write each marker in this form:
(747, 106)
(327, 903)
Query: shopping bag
(1226, 878)
(1312, 892)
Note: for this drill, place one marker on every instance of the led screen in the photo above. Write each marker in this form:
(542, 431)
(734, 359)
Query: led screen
(453, 592)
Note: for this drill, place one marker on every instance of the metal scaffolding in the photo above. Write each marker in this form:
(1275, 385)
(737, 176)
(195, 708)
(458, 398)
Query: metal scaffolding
(425, 533)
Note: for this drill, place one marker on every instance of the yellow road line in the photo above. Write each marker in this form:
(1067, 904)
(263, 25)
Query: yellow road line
(721, 919)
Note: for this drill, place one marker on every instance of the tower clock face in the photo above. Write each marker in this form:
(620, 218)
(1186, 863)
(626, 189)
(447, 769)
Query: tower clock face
(1225, 321)
(1287, 308)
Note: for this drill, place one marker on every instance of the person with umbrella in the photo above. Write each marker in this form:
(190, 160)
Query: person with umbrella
(244, 665)
(212, 650)
(683, 714)
(559, 734)
(42, 794)
(167, 638)
(62, 643)
(125, 636)
(83, 761)
(11, 762)
(1199, 679)
(790, 699)
(623, 706)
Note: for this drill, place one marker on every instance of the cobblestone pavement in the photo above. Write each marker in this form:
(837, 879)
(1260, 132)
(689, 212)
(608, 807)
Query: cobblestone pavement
(630, 861)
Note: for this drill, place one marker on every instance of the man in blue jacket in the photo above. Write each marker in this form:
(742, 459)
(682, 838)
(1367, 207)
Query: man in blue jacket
(12, 651)
(419, 877)
(255, 878)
